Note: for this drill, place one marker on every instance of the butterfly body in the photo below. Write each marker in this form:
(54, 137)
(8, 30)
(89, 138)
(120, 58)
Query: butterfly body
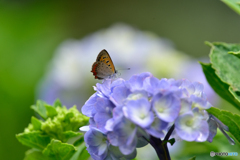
(103, 68)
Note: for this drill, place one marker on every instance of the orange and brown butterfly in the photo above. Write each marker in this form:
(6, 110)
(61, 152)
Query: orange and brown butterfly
(103, 67)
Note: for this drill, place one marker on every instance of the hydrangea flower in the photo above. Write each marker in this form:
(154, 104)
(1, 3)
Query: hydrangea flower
(124, 115)
(100, 148)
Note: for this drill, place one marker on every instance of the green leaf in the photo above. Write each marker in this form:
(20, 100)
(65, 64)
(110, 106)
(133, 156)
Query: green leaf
(33, 139)
(37, 124)
(233, 4)
(51, 111)
(81, 153)
(229, 119)
(193, 158)
(58, 150)
(226, 66)
(235, 94)
(79, 141)
(237, 54)
(71, 134)
(84, 154)
(171, 141)
(40, 109)
(57, 103)
(68, 116)
(221, 88)
(34, 154)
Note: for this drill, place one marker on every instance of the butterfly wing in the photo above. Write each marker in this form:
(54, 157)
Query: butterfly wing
(103, 67)
(104, 57)
(101, 70)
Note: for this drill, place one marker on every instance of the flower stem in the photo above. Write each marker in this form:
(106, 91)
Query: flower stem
(161, 146)
(169, 133)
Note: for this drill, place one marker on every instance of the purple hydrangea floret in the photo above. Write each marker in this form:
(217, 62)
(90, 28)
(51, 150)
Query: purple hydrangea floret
(124, 114)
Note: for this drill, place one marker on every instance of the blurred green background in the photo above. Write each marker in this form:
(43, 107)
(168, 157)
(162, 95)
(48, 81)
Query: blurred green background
(30, 31)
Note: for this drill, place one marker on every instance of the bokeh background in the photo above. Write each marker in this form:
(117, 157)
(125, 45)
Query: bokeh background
(32, 33)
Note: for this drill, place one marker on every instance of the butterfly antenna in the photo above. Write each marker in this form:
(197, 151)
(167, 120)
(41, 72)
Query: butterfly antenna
(124, 69)
(118, 73)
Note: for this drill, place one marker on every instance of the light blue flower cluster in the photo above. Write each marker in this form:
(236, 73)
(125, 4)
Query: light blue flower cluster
(123, 114)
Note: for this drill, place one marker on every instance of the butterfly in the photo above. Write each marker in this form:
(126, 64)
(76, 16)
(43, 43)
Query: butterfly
(103, 68)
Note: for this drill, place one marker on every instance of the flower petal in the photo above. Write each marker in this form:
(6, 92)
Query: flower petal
(88, 108)
(139, 112)
(166, 107)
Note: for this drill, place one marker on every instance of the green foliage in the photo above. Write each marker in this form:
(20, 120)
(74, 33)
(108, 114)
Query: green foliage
(193, 158)
(33, 154)
(237, 54)
(40, 109)
(58, 150)
(171, 141)
(220, 87)
(57, 136)
(234, 4)
(57, 103)
(223, 72)
(81, 154)
(34, 139)
(226, 65)
(229, 119)
(36, 123)
(223, 75)
(51, 111)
